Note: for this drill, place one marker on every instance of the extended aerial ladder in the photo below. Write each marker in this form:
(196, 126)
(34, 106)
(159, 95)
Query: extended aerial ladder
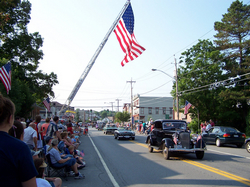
(92, 61)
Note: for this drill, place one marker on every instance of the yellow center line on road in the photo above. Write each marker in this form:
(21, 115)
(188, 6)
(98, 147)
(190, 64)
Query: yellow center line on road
(219, 172)
(211, 169)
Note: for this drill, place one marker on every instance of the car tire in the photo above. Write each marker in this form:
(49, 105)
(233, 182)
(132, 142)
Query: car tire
(133, 138)
(217, 142)
(199, 154)
(248, 147)
(166, 153)
(150, 149)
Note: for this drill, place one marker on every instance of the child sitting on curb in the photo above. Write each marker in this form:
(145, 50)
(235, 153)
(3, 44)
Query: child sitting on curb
(79, 160)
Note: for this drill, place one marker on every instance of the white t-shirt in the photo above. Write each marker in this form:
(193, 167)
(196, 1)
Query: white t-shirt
(42, 183)
(29, 134)
(208, 127)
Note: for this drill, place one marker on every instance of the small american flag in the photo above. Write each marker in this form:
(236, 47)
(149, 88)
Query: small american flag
(82, 153)
(5, 76)
(124, 32)
(46, 103)
(175, 139)
(187, 106)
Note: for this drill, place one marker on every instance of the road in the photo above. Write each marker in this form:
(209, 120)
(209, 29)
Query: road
(121, 163)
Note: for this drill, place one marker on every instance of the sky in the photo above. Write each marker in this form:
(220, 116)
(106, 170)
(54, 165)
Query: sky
(73, 30)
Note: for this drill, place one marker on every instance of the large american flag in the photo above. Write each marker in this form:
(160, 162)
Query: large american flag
(46, 103)
(5, 76)
(187, 106)
(124, 32)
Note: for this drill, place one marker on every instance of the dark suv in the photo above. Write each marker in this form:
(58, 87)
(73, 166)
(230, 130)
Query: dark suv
(171, 136)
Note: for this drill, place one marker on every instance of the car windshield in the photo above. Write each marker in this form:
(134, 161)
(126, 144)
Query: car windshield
(228, 129)
(110, 126)
(174, 125)
(124, 129)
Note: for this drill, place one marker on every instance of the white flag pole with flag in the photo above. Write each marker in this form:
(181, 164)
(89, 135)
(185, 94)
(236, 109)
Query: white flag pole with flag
(187, 106)
(5, 76)
(46, 103)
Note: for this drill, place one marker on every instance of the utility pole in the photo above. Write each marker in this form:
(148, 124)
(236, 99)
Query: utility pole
(176, 84)
(110, 103)
(111, 110)
(118, 103)
(132, 121)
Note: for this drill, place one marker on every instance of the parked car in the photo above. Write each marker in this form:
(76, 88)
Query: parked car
(247, 145)
(171, 137)
(124, 133)
(220, 135)
(109, 129)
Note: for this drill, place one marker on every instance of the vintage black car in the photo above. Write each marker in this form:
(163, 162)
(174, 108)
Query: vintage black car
(109, 129)
(171, 137)
(124, 133)
(220, 135)
(248, 145)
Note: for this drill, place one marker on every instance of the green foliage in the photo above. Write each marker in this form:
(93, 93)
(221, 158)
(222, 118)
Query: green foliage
(233, 40)
(104, 114)
(202, 67)
(248, 124)
(122, 116)
(22, 49)
(193, 126)
(205, 64)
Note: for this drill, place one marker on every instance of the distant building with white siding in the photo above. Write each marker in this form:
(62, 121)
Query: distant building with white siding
(152, 107)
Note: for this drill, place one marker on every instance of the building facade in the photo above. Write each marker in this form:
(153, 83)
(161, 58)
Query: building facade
(152, 107)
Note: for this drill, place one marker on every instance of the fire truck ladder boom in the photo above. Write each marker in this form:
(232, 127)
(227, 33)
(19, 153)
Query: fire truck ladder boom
(92, 61)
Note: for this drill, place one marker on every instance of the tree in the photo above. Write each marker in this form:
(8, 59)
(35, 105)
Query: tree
(202, 67)
(22, 49)
(122, 116)
(233, 39)
(104, 114)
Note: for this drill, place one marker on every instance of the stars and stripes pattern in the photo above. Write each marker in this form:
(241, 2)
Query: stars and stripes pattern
(124, 32)
(5, 76)
(46, 103)
(82, 153)
(187, 106)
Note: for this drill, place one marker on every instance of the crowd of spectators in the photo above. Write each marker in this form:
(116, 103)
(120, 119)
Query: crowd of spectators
(24, 145)
(207, 125)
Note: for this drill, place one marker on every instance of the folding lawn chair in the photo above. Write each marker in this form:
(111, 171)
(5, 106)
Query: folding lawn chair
(55, 171)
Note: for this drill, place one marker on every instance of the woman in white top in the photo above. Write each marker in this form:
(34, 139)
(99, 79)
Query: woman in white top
(43, 181)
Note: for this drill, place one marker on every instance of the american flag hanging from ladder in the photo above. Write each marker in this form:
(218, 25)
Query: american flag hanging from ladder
(124, 32)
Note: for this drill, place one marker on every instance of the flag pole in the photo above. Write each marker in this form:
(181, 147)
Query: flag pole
(92, 61)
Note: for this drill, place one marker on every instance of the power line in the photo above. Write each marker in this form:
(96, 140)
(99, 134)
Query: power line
(218, 83)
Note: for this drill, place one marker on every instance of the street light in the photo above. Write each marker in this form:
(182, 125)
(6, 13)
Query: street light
(176, 83)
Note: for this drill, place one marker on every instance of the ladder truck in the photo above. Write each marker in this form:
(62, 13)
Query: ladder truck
(92, 61)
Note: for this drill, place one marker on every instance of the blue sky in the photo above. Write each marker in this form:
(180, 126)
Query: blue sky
(73, 30)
